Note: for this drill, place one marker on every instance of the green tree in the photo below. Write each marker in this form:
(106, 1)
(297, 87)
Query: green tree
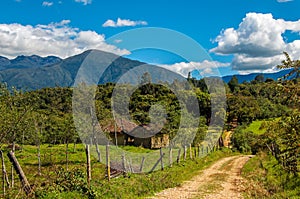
(289, 63)
(285, 142)
(259, 78)
(233, 83)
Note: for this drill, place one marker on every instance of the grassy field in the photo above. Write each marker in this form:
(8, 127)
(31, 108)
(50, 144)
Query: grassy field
(56, 182)
(258, 127)
(255, 127)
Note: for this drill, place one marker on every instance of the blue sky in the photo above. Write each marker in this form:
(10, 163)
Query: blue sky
(241, 36)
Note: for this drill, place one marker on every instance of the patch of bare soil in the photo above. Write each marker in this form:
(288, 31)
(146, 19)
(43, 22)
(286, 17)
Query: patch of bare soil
(221, 180)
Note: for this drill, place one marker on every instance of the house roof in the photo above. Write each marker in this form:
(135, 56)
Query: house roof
(121, 125)
(146, 131)
(125, 126)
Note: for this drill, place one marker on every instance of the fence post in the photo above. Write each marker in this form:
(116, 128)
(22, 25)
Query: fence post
(130, 166)
(22, 177)
(178, 156)
(142, 165)
(4, 173)
(184, 152)
(107, 162)
(170, 156)
(123, 163)
(191, 152)
(161, 161)
(88, 163)
(97, 149)
(161, 157)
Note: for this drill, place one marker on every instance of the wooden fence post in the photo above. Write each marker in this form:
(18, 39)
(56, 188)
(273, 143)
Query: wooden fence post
(184, 152)
(97, 149)
(161, 157)
(12, 168)
(4, 173)
(88, 164)
(142, 165)
(123, 163)
(170, 156)
(178, 156)
(107, 162)
(161, 161)
(191, 152)
(67, 154)
(39, 160)
(130, 166)
(22, 177)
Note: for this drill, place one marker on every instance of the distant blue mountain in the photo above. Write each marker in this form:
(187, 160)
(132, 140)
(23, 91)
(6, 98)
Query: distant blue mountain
(23, 62)
(250, 77)
(34, 72)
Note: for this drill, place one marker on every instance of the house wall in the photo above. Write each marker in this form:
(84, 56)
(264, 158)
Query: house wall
(158, 141)
(144, 142)
(120, 139)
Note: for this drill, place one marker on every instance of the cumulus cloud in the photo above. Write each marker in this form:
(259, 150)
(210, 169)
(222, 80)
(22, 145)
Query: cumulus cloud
(57, 39)
(85, 2)
(204, 68)
(283, 1)
(123, 22)
(47, 3)
(258, 42)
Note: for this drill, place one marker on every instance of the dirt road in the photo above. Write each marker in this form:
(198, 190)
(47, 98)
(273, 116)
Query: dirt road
(220, 180)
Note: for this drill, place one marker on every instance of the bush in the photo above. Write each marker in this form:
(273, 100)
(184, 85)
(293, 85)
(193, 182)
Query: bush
(73, 181)
(245, 141)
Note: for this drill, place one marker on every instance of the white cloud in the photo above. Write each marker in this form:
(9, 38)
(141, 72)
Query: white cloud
(47, 4)
(258, 42)
(123, 22)
(205, 68)
(57, 39)
(85, 2)
(283, 1)
(117, 41)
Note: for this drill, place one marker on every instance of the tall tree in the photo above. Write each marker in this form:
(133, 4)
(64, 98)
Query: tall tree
(233, 83)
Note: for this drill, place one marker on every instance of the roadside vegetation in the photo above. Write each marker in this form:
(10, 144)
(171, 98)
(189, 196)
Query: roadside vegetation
(275, 140)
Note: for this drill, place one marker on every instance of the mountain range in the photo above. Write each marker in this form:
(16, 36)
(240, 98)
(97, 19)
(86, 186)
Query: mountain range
(35, 72)
(251, 76)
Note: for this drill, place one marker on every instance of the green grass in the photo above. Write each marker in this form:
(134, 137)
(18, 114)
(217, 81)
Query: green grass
(255, 127)
(258, 127)
(267, 179)
(130, 186)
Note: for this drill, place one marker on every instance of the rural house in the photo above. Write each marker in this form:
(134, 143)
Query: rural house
(124, 132)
